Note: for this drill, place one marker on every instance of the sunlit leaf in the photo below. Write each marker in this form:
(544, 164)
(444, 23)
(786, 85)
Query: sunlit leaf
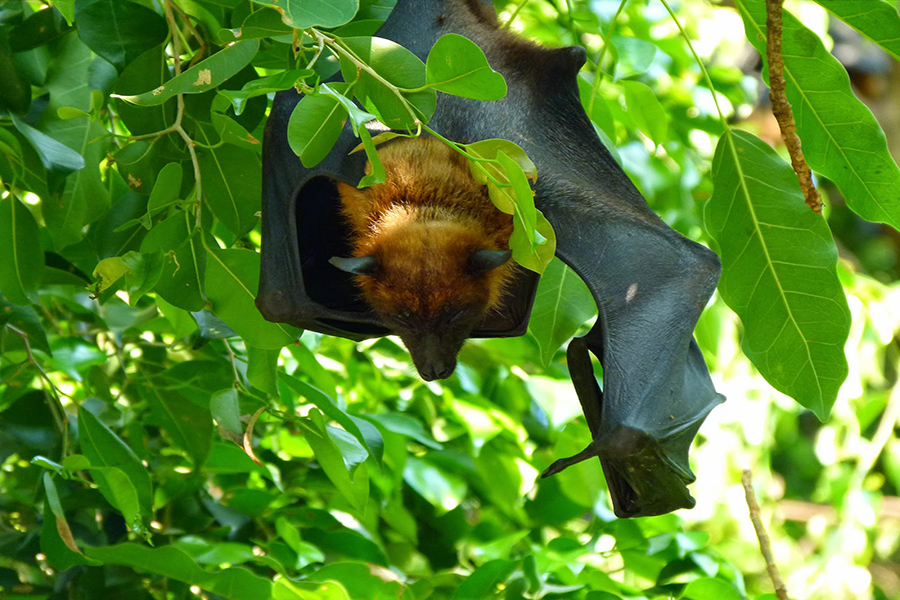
(779, 275)
(202, 77)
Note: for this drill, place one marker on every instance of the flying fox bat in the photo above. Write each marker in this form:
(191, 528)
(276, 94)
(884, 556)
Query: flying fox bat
(649, 282)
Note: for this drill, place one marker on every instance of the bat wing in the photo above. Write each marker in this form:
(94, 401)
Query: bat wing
(649, 282)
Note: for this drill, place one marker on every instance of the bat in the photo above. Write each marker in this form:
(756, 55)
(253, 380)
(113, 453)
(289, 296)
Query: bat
(649, 282)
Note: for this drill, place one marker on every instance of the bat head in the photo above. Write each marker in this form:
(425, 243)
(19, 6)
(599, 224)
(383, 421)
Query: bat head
(431, 283)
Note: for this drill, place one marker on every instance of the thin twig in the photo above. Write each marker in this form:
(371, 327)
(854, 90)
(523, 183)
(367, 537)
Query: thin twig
(765, 545)
(56, 406)
(781, 108)
(514, 14)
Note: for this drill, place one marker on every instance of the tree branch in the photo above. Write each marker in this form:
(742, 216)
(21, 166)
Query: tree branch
(765, 545)
(781, 108)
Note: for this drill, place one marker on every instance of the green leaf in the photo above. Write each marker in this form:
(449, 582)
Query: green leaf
(324, 403)
(708, 588)
(779, 275)
(484, 581)
(262, 23)
(263, 86)
(54, 155)
(232, 277)
(406, 426)
(876, 19)
(646, 111)
(202, 77)
(226, 410)
(634, 56)
(301, 14)
(118, 490)
(315, 126)
(400, 68)
(457, 66)
(26, 320)
(141, 271)
(103, 448)
(354, 487)
(232, 184)
(285, 589)
(262, 369)
(360, 581)
(166, 189)
(189, 426)
(85, 197)
(184, 261)
(144, 271)
(443, 490)
(57, 541)
(66, 9)
(21, 259)
(168, 561)
(15, 93)
(148, 71)
(182, 322)
(563, 304)
(841, 138)
(118, 30)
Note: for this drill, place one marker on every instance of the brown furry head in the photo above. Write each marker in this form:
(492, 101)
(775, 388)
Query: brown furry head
(430, 250)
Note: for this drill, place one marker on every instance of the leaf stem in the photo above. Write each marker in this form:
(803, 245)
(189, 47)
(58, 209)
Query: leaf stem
(340, 49)
(56, 407)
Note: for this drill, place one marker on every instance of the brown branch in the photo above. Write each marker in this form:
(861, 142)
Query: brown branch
(765, 545)
(781, 108)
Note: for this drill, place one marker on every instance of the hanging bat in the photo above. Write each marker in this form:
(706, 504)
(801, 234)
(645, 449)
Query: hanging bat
(649, 282)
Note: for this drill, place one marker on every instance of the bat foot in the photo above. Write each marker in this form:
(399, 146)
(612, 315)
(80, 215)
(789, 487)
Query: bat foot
(562, 464)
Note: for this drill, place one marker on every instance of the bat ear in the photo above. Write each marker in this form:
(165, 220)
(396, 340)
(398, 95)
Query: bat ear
(483, 261)
(363, 265)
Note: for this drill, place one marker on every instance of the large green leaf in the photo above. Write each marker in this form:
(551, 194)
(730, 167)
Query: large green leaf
(232, 277)
(301, 14)
(85, 197)
(119, 30)
(878, 20)
(457, 66)
(779, 275)
(21, 260)
(350, 477)
(184, 261)
(841, 138)
(202, 77)
(189, 426)
(563, 303)
(105, 449)
(232, 182)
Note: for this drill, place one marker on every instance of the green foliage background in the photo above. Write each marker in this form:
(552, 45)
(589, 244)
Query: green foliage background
(159, 439)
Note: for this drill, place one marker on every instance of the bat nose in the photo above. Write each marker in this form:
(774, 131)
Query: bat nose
(439, 370)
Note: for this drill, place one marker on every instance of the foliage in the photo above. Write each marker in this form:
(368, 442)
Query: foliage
(159, 439)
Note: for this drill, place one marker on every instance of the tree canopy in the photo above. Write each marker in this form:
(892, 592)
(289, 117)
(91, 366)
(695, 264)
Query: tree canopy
(160, 439)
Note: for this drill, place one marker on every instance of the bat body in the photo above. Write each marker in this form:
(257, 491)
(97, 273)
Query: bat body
(649, 282)
(430, 250)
